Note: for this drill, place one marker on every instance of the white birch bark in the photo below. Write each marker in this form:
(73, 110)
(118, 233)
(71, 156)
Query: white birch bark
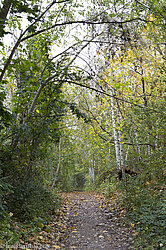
(120, 140)
(117, 149)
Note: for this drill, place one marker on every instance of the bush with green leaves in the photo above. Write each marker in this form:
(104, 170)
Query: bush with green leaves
(30, 198)
(7, 234)
(4, 188)
(145, 199)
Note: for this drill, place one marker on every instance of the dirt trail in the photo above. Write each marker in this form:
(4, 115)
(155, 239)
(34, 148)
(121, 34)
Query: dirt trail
(92, 225)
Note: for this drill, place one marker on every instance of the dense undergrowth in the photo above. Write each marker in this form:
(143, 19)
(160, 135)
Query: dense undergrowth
(144, 199)
(27, 201)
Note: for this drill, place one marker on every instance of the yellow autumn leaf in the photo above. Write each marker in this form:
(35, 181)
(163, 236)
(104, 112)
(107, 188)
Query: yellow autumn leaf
(56, 247)
(37, 111)
(40, 237)
(151, 17)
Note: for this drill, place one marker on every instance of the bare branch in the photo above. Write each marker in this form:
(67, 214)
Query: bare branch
(104, 93)
(21, 39)
(10, 58)
(81, 22)
(43, 84)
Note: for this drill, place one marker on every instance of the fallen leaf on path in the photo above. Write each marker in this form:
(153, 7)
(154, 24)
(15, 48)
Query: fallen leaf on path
(56, 247)
(101, 236)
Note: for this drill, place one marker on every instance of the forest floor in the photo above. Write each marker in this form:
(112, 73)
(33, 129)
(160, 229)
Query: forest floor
(86, 220)
(93, 223)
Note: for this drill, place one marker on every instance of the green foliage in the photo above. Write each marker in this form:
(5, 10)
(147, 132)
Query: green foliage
(5, 188)
(78, 113)
(5, 115)
(7, 235)
(29, 196)
(79, 180)
(109, 186)
(149, 220)
(29, 135)
(145, 201)
(31, 199)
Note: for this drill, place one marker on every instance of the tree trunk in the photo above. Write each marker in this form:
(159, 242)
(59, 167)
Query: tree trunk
(117, 149)
(3, 15)
(120, 137)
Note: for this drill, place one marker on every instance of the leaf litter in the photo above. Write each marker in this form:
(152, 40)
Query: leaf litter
(86, 220)
(94, 223)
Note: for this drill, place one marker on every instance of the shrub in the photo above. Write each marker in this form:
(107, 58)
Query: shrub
(30, 198)
(146, 203)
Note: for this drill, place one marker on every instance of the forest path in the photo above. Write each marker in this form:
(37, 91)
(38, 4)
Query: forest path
(93, 224)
